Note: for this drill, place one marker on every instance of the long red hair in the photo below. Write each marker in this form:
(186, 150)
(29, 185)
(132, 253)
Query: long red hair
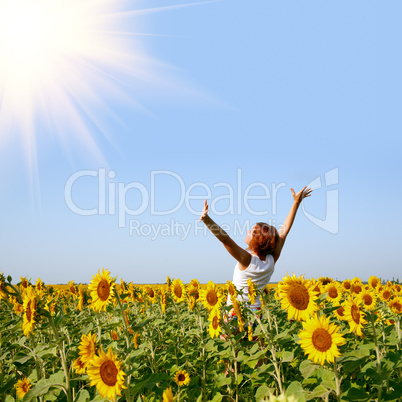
(264, 239)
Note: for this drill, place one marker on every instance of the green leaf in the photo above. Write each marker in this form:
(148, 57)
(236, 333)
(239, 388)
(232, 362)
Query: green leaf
(21, 358)
(364, 350)
(307, 368)
(286, 356)
(142, 324)
(222, 380)
(262, 392)
(318, 392)
(217, 397)
(9, 398)
(328, 379)
(43, 386)
(356, 394)
(352, 365)
(149, 382)
(296, 390)
(239, 379)
(83, 396)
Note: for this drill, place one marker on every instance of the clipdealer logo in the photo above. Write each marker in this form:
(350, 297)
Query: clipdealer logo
(112, 198)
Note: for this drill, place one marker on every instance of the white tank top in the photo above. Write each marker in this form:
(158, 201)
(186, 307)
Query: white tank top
(260, 273)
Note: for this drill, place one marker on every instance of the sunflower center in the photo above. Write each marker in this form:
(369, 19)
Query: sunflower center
(178, 291)
(151, 293)
(346, 285)
(215, 322)
(28, 311)
(103, 290)
(333, 293)
(340, 311)
(355, 312)
(212, 298)
(357, 289)
(181, 377)
(321, 339)
(368, 300)
(386, 295)
(108, 373)
(25, 387)
(298, 296)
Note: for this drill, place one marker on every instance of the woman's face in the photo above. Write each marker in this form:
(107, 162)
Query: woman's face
(249, 235)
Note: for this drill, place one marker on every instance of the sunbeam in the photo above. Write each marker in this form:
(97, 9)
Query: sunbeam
(61, 61)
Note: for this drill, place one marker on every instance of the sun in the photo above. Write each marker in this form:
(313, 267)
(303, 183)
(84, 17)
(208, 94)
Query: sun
(68, 67)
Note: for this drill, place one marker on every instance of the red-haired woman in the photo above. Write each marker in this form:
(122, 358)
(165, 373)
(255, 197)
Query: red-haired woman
(265, 244)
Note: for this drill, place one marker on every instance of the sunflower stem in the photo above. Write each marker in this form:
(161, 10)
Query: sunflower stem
(378, 353)
(273, 352)
(202, 353)
(337, 381)
(183, 331)
(63, 358)
(123, 317)
(127, 390)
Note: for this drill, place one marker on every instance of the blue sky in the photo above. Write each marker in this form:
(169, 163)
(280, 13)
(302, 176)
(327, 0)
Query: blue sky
(282, 92)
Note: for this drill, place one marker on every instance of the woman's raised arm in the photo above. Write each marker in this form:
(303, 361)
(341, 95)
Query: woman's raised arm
(241, 255)
(284, 230)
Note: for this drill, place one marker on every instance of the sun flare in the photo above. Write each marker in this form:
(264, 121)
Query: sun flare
(66, 69)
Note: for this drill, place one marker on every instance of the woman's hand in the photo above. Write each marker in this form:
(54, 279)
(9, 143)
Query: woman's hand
(298, 198)
(204, 211)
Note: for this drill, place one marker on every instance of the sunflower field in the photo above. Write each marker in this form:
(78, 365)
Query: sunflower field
(311, 340)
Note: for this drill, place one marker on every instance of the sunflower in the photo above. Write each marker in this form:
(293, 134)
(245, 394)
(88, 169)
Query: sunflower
(79, 366)
(325, 280)
(251, 291)
(297, 297)
(135, 340)
(317, 286)
(182, 378)
(250, 333)
(193, 293)
(340, 313)
(214, 327)
(320, 340)
(24, 282)
(385, 294)
(374, 282)
(178, 290)
(231, 288)
(347, 284)
(368, 299)
(167, 395)
(237, 312)
(396, 305)
(334, 292)
(101, 289)
(354, 316)
(22, 387)
(164, 300)
(211, 297)
(81, 298)
(30, 307)
(397, 288)
(72, 287)
(356, 288)
(39, 286)
(151, 294)
(106, 374)
(87, 348)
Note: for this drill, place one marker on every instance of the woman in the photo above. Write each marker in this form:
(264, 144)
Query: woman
(265, 244)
